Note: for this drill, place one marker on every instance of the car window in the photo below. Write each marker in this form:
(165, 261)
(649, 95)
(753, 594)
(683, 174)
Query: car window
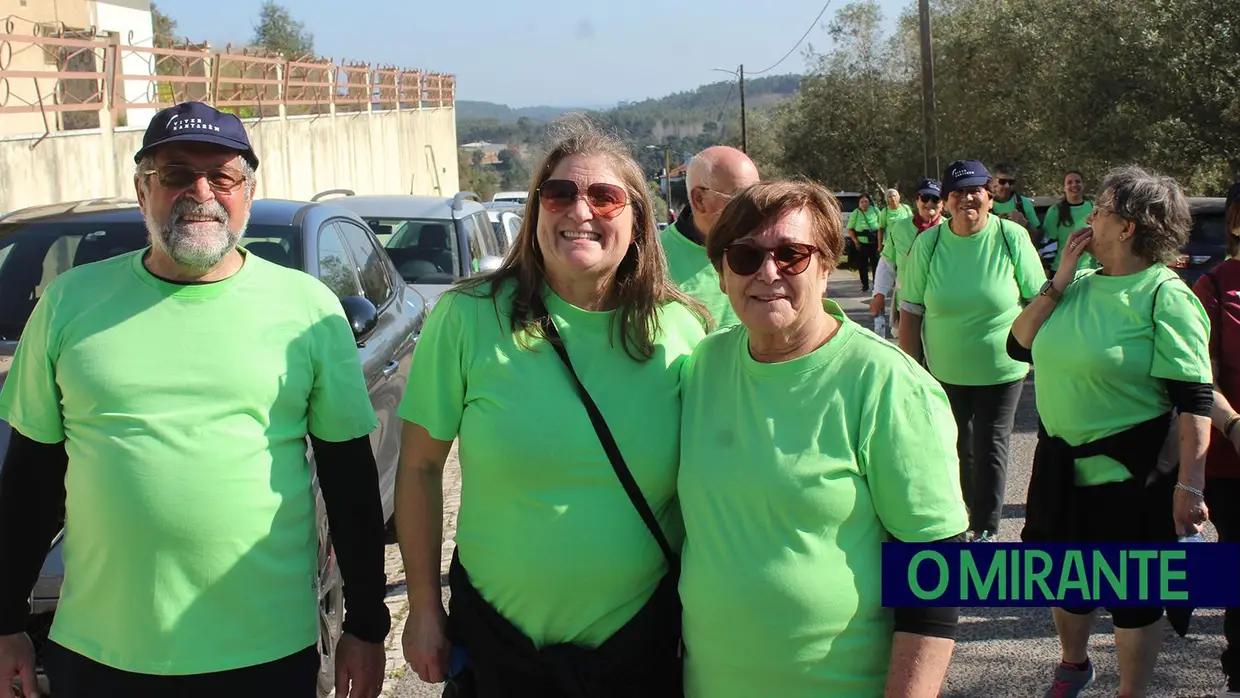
(35, 254)
(513, 223)
(480, 237)
(371, 268)
(336, 268)
(424, 250)
(1209, 228)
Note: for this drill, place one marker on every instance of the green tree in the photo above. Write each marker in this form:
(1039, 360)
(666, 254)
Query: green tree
(277, 31)
(165, 28)
(514, 173)
(658, 203)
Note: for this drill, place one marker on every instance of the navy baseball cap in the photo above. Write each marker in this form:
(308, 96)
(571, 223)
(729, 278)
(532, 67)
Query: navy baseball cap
(930, 187)
(964, 173)
(200, 123)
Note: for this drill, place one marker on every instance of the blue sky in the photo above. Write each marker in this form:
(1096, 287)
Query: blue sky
(534, 52)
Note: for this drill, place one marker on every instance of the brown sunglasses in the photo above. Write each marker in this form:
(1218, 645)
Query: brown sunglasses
(745, 258)
(605, 200)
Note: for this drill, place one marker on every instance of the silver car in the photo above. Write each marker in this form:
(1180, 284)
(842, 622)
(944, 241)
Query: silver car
(433, 241)
(323, 240)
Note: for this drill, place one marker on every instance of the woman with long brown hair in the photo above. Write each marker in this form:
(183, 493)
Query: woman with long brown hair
(560, 374)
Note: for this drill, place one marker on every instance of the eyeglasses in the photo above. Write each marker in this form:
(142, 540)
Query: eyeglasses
(605, 200)
(222, 180)
(745, 258)
(1008, 182)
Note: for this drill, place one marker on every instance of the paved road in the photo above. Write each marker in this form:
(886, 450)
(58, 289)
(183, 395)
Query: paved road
(1011, 652)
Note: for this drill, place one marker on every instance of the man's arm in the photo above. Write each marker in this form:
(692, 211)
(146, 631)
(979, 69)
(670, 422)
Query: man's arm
(349, 481)
(32, 500)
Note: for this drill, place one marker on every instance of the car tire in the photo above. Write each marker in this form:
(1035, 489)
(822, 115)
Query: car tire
(331, 616)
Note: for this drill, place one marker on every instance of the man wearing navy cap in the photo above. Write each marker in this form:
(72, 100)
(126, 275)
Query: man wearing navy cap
(898, 241)
(163, 398)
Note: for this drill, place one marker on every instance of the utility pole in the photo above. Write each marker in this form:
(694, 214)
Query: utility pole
(927, 93)
(744, 130)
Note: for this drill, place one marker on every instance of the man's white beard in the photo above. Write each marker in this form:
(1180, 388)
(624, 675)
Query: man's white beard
(196, 251)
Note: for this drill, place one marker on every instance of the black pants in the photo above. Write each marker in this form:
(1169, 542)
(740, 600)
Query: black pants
(867, 262)
(641, 660)
(70, 675)
(985, 415)
(1223, 499)
(1127, 511)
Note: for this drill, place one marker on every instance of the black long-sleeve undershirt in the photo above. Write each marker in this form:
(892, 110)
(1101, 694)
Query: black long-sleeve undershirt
(349, 480)
(32, 501)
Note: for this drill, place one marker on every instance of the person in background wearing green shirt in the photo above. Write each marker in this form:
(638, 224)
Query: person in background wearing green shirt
(863, 224)
(1119, 351)
(163, 399)
(895, 211)
(806, 443)
(712, 177)
(897, 241)
(1067, 217)
(963, 284)
(1008, 203)
(557, 581)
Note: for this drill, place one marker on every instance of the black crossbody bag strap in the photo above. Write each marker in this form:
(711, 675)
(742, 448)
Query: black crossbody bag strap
(606, 439)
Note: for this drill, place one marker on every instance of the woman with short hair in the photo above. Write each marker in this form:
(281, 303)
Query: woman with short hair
(863, 228)
(1119, 351)
(963, 284)
(560, 374)
(806, 443)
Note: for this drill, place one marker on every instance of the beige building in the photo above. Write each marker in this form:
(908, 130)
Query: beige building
(128, 21)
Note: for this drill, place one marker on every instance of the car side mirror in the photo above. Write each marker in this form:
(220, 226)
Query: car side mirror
(489, 263)
(361, 314)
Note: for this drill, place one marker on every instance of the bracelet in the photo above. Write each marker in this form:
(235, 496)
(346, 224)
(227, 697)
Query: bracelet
(1190, 490)
(1231, 423)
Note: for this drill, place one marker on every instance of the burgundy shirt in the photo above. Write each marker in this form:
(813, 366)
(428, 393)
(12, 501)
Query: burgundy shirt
(1224, 313)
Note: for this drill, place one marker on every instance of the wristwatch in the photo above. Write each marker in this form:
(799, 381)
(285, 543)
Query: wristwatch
(1049, 290)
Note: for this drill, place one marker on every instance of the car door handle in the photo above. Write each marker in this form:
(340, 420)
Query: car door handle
(390, 369)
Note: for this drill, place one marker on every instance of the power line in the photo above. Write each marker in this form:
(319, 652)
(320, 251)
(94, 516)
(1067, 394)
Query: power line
(799, 41)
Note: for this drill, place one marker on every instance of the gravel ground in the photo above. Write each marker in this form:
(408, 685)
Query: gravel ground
(1001, 652)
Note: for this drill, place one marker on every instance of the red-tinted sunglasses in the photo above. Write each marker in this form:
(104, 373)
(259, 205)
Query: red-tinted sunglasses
(605, 200)
(745, 258)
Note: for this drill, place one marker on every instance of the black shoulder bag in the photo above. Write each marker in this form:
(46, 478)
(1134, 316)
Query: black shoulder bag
(608, 441)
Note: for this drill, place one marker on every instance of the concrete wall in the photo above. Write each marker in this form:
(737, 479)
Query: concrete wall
(383, 152)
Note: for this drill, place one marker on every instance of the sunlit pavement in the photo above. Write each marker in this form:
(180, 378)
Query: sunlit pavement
(1001, 652)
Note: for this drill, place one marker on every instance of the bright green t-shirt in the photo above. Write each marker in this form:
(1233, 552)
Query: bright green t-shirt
(1026, 208)
(190, 538)
(972, 289)
(791, 477)
(692, 271)
(865, 224)
(1060, 231)
(545, 529)
(898, 241)
(888, 217)
(1104, 353)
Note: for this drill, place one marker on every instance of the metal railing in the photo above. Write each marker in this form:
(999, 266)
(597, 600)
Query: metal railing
(83, 78)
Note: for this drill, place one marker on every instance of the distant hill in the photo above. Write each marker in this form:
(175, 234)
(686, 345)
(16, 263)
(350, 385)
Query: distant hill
(503, 113)
(703, 113)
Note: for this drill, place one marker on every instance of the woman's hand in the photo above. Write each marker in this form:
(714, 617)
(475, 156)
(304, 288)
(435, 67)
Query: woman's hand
(1072, 251)
(878, 304)
(426, 644)
(1190, 514)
